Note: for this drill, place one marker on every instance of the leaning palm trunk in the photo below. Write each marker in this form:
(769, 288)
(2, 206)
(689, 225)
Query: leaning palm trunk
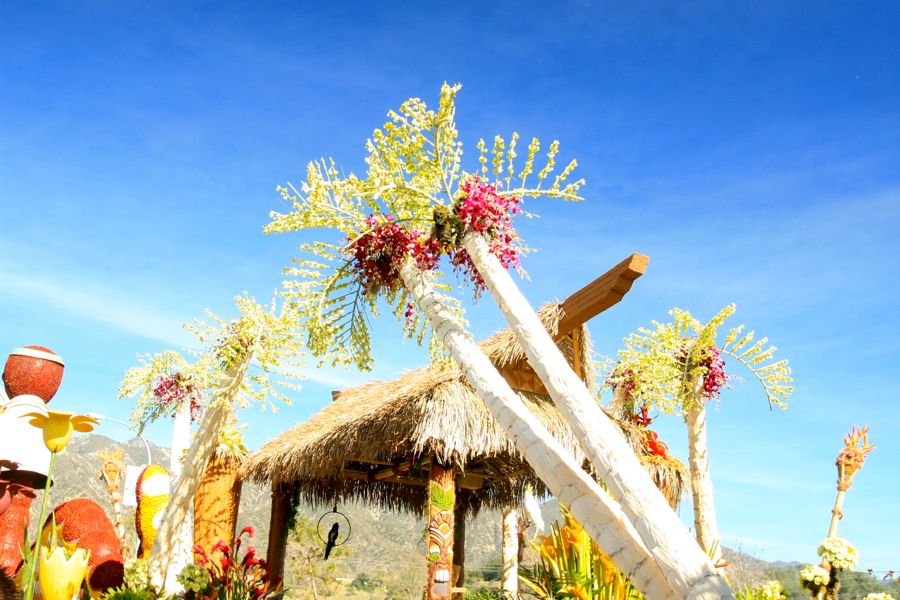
(688, 570)
(164, 564)
(706, 526)
(589, 503)
(181, 443)
(216, 502)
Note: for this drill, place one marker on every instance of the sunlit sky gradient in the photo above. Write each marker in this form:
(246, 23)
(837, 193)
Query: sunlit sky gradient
(751, 150)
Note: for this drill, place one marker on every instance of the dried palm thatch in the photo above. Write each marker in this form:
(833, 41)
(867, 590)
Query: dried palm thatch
(669, 475)
(372, 443)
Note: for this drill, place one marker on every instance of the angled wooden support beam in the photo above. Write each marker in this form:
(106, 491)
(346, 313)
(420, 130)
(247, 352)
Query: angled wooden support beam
(602, 293)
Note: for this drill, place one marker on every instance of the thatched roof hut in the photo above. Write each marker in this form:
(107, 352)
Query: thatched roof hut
(375, 442)
(368, 443)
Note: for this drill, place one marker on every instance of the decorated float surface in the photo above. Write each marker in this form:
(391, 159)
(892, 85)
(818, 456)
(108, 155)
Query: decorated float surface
(380, 442)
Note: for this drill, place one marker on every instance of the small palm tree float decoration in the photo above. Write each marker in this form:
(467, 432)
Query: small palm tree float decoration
(677, 368)
(838, 555)
(417, 204)
(219, 382)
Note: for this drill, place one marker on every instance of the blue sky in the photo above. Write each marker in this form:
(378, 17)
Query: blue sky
(750, 150)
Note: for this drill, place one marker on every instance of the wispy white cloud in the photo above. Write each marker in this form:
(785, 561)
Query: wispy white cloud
(102, 304)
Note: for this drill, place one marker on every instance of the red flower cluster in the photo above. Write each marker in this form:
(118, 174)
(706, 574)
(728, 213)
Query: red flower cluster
(653, 445)
(715, 378)
(177, 388)
(378, 253)
(229, 577)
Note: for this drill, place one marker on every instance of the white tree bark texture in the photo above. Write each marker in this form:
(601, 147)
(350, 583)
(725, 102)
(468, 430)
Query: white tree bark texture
(165, 561)
(689, 571)
(601, 516)
(509, 552)
(705, 524)
(181, 554)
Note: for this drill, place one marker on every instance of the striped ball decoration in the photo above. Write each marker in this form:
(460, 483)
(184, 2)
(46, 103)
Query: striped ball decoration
(33, 370)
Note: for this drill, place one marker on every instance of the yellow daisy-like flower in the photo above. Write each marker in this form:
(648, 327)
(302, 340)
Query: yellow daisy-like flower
(61, 575)
(58, 426)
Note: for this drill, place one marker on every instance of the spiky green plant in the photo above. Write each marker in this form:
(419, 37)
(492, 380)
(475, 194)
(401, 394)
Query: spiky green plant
(269, 335)
(658, 364)
(571, 565)
(414, 173)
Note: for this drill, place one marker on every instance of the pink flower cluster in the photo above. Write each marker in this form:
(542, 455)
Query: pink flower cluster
(176, 389)
(715, 378)
(484, 211)
(378, 253)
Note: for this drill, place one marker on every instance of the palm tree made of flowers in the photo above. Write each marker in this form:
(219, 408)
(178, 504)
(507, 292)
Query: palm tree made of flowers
(213, 386)
(414, 206)
(677, 368)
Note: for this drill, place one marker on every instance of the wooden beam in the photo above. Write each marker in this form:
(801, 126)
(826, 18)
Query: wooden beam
(278, 527)
(602, 293)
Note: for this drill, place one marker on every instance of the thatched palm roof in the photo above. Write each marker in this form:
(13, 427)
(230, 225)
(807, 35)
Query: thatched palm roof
(367, 443)
(374, 441)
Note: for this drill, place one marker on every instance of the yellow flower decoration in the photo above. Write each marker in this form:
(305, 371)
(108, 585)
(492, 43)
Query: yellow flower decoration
(58, 426)
(61, 575)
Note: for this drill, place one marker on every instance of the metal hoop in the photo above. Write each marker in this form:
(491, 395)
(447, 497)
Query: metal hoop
(340, 516)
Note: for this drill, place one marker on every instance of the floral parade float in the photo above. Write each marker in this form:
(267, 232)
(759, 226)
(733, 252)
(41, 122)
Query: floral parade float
(219, 384)
(415, 205)
(680, 367)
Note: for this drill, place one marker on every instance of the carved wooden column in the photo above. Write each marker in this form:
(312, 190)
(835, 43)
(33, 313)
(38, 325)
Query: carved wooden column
(441, 504)
(280, 517)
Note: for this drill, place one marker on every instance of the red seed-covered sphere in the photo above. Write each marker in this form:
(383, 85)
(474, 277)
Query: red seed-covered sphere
(33, 370)
(84, 523)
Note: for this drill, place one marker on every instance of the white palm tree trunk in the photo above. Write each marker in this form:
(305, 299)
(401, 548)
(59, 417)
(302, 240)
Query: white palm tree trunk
(706, 526)
(601, 516)
(165, 561)
(688, 570)
(509, 553)
(180, 553)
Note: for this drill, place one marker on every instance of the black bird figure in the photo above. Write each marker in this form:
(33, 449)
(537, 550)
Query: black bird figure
(332, 538)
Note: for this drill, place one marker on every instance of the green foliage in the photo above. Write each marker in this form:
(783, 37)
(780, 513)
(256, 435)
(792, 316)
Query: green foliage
(770, 590)
(442, 499)
(661, 363)
(125, 593)
(194, 578)
(229, 576)
(307, 575)
(483, 593)
(263, 334)
(414, 169)
(571, 565)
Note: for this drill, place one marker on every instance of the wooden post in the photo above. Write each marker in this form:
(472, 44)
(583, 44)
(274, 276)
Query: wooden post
(279, 518)
(509, 549)
(441, 504)
(459, 544)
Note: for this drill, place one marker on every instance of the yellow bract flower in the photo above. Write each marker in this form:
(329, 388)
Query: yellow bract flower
(61, 576)
(58, 426)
